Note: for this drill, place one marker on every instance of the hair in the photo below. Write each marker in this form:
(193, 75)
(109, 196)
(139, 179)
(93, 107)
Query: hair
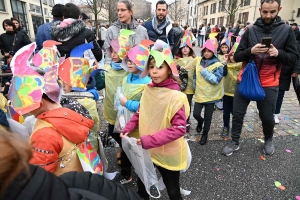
(175, 24)
(129, 4)
(14, 158)
(270, 1)
(161, 2)
(70, 10)
(220, 50)
(242, 26)
(14, 19)
(179, 52)
(9, 23)
(223, 29)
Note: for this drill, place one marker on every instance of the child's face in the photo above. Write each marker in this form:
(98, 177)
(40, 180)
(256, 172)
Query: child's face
(207, 54)
(132, 67)
(231, 58)
(66, 87)
(160, 74)
(114, 56)
(185, 51)
(224, 49)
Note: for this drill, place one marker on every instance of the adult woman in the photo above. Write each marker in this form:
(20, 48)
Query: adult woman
(201, 34)
(17, 24)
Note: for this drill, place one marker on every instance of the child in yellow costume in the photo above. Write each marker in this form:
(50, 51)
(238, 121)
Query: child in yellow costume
(209, 87)
(231, 72)
(186, 60)
(224, 48)
(162, 120)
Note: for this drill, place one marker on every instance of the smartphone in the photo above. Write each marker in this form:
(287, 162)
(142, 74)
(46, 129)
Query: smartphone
(266, 41)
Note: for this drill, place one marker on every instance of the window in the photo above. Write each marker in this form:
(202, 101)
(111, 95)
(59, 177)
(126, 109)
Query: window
(220, 21)
(2, 5)
(247, 2)
(213, 8)
(220, 6)
(298, 13)
(191, 11)
(212, 21)
(45, 11)
(244, 17)
(35, 8)
(51, 3)
(206, 10)
(195, 10)
(44, 1)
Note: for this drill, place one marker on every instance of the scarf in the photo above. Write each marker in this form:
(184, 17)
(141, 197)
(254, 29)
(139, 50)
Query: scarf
(160, 27)
(116, 66)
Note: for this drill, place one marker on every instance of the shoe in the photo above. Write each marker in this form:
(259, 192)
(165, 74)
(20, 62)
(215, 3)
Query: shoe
(269, 147)
(204, 137)
(199, 126)
(219, 105)
(119, 154)
(225, 132)
(188, 128)
(119, 162)
(126, 180)
(230, 148)
(276, 119)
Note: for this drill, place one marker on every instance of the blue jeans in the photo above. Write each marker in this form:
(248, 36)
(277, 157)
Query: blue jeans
(200, 40)
(279, 101)
(227, 109)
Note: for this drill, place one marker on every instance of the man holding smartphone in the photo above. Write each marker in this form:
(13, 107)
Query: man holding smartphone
(279, 49)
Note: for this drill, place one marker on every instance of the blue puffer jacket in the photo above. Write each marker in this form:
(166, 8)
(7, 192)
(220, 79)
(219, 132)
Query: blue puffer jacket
(153, 35)
(43, 34)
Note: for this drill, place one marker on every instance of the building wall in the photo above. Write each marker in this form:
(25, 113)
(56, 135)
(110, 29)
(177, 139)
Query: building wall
(31, 13)
(142, 9)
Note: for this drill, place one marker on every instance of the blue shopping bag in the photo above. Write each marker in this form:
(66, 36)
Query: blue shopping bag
(250, 86)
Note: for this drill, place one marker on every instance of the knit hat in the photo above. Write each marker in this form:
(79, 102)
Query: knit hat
(186, 40)
(122, 44)
(75, 70)
(57, 10)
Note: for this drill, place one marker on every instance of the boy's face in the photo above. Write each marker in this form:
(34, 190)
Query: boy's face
(114, 56)
(159, 74)
(224, 49)
(207, 54)
(132, 67)
(66, 87)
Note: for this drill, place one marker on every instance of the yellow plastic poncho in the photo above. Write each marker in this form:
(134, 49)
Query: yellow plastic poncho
(188, 64)
(233, 70)
(205, 91)
(113, 80)
(221, 58)
(157, 107)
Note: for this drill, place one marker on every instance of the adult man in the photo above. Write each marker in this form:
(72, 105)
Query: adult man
(282, 51)
(296, 31)
(86, 20)
(44, 31)
(160, 26)
(178, 34)
(208, 31)
(72, 32)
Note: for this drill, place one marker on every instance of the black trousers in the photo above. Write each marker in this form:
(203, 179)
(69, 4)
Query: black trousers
(189, 97)
(208, 112)
(171, 180)
(227, 109)
(265, 107)
(279, 101)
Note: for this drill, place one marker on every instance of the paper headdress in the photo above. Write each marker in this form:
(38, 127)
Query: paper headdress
(210, 45)
(27, 85)
(186, 40)
(236, 44)
(225, 40)
(140, 54)
(122, 44)
(75, 70)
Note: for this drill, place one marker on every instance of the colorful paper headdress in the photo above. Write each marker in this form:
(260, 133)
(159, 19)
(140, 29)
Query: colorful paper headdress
(210, 45)
(27, 85)
(235, 46)
(161, 52)
(225, 40)
(122, 44)
(186, 40)
(75, 70)
(140, 54)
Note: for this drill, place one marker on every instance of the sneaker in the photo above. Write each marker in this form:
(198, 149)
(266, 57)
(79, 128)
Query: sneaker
(230, 148)
(276, 119)
(269, 147)
(219, 105)
(126, 180)
(225, 132)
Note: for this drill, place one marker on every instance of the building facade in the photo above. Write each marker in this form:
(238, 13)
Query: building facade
(193, 15)
(142, 9)
(30, 13)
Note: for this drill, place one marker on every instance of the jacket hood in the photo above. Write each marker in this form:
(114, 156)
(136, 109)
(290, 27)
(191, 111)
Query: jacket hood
(168, 83)
(134, 23)
(70, 124)
(67, 32)
(268, 28)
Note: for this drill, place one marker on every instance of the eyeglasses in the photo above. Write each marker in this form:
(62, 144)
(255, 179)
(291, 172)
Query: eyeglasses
(121, 10)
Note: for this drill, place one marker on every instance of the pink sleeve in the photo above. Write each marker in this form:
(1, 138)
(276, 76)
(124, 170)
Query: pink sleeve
(168, 134)
(132, 124)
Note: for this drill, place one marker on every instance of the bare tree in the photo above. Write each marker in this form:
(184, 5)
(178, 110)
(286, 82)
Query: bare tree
(230, 7)
(110, 7)
(177, 10)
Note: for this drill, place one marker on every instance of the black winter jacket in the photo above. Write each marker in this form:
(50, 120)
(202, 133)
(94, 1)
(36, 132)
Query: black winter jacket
(73, 35)
(178, 34)
(7, 39)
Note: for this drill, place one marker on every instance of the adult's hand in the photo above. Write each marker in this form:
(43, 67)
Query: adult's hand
(139, 142)
(123, 135)
(273, 51)
(294, 75)
(259, 49)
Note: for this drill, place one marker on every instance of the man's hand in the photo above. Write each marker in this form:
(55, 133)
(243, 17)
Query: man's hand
(123, 101)
(294, 75)
(123, 135)
(259, 49)
(139, 142)
(273, 51)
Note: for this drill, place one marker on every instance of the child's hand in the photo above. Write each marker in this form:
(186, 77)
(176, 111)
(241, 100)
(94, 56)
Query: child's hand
(139, 142)
(123, 135)
(123, 101)
(226, 57)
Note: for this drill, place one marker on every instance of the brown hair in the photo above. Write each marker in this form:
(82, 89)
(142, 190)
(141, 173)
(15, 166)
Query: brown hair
(14, 158)
(9, 23)
(191, 53)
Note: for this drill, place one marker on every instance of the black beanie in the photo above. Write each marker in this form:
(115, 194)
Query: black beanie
(57, 10)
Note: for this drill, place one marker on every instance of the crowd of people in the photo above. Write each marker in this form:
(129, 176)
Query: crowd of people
(151, 76)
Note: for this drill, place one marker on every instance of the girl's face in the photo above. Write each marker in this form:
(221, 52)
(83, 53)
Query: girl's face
(124, 15)
(8, 27)
(224, 49)
(114, 56)
(66, 87)
(132, 67)
(159, 74)
(231, 58)
(185, 51)
(207, 54)
(16, 23)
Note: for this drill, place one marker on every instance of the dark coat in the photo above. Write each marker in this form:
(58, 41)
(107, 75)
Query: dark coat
(178, 34)
(7, 39)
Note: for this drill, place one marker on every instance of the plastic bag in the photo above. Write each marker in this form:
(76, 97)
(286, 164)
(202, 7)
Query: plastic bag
(250, 87)
(120, 120)
(142, 163)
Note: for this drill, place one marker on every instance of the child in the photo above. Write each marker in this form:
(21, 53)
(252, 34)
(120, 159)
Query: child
(209, 87)
(224, 48)
(132, 88)
(162, 129)
(186, 60)
(58, 130)
(74, 73)
(231, 71)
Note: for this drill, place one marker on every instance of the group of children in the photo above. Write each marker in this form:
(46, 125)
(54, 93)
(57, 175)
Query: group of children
(148, 76)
